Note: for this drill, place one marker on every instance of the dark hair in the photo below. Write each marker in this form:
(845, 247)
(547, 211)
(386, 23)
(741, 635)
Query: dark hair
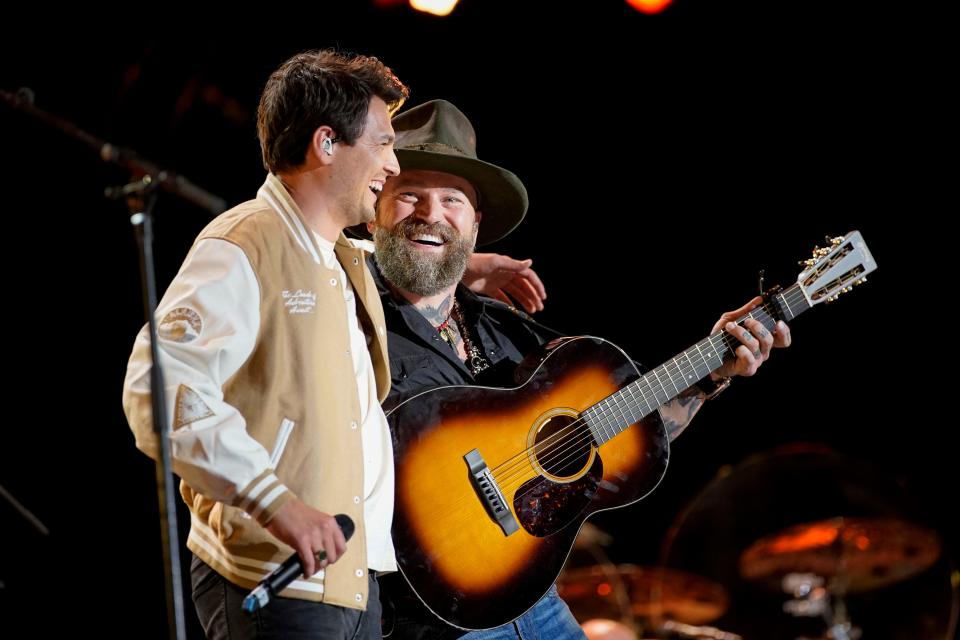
(318, 88)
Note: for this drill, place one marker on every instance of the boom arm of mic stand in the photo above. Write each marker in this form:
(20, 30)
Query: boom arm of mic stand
(22, 100)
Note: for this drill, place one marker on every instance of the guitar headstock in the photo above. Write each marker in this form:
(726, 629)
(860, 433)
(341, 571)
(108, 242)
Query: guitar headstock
(835, 269)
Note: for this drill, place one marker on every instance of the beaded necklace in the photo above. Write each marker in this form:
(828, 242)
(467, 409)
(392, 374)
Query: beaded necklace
(475, 360)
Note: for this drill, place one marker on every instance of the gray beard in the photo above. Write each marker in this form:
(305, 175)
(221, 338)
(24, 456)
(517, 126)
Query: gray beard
(414, 271)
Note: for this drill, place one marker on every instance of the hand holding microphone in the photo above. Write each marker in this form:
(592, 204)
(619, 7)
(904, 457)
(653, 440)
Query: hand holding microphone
(293, 566)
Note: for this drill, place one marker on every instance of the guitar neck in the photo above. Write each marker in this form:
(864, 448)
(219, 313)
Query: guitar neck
(633, 402)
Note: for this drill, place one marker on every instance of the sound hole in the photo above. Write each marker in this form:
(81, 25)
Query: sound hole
(563, 446)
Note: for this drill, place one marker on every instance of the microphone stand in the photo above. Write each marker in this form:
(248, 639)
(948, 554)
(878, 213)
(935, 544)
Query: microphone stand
(140, 196)
(34, 521)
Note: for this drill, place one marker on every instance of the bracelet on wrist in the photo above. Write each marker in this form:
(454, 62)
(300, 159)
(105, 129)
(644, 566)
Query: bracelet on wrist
(711, 389)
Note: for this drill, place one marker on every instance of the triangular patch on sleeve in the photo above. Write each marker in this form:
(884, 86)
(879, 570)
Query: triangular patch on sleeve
(190, 407)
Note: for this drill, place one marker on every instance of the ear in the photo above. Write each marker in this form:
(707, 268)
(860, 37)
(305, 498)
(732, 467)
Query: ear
(370, 227)
(476, 227)
(321, 145)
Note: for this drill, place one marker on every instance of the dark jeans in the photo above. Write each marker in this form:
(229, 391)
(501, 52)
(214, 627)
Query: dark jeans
(218, 602)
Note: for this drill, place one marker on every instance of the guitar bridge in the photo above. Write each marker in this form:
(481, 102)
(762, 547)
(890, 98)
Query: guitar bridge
(489, 493)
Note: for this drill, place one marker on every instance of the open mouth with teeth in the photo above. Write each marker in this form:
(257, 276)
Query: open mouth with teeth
(426, 239)
(376, 187)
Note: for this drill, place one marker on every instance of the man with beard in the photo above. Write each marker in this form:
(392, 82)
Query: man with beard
(429, 218)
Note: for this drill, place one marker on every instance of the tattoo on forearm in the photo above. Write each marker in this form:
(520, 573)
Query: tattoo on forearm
(673, 429)
(679, 411)
(687, 396)
(685, 400)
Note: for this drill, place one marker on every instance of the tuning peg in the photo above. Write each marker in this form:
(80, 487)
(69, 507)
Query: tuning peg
(859, 282)
(835, 241)
(807, 263)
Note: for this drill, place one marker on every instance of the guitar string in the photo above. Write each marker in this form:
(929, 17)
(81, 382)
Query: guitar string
(506, 476)
(502, 471)
(513, 476)
(625, 401)
(508, 470)
(582, 441)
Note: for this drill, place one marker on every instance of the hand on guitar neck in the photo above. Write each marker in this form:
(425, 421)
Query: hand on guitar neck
(756, 341)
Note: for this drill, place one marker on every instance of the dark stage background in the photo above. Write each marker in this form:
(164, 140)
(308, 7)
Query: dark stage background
(667, 160)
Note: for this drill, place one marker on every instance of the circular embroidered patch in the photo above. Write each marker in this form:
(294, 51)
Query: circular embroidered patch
(180, 325)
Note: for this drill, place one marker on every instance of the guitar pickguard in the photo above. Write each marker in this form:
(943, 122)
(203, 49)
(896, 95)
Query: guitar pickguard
(544, 506)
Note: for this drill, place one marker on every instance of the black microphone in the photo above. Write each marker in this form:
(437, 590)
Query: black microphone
(287, 572)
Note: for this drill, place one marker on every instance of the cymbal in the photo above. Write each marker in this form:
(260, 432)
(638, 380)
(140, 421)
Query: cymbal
(603, 629)
(610, 591)
(854, 554)
(591, 536)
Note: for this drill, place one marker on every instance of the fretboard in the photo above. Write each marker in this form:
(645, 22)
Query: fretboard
(633, 402)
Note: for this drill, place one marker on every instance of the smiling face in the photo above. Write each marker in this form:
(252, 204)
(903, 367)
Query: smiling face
(360, 169)
(425, 230)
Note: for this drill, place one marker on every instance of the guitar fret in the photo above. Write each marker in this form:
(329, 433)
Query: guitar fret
(630, 407)
(690, 377)
(601, 432)
(706, 363)
(787, 304)
(607, 427)
(666, 396)
(585, 415)
(608, 431)
(593, 422)
(637, 415)
(702, 361)
(710, 357)
(609, 422)
(676, 389)
(624, 421)
(609, 416)
(617, 412)
(650, 396)
(719, 352)
(643, 405)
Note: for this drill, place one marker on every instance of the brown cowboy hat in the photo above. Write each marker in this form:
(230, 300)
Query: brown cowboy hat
(436, 136)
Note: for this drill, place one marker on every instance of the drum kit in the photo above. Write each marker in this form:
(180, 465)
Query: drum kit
(836, 578)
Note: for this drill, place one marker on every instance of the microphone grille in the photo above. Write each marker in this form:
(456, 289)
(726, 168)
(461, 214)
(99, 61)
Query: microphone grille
(346, 524)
